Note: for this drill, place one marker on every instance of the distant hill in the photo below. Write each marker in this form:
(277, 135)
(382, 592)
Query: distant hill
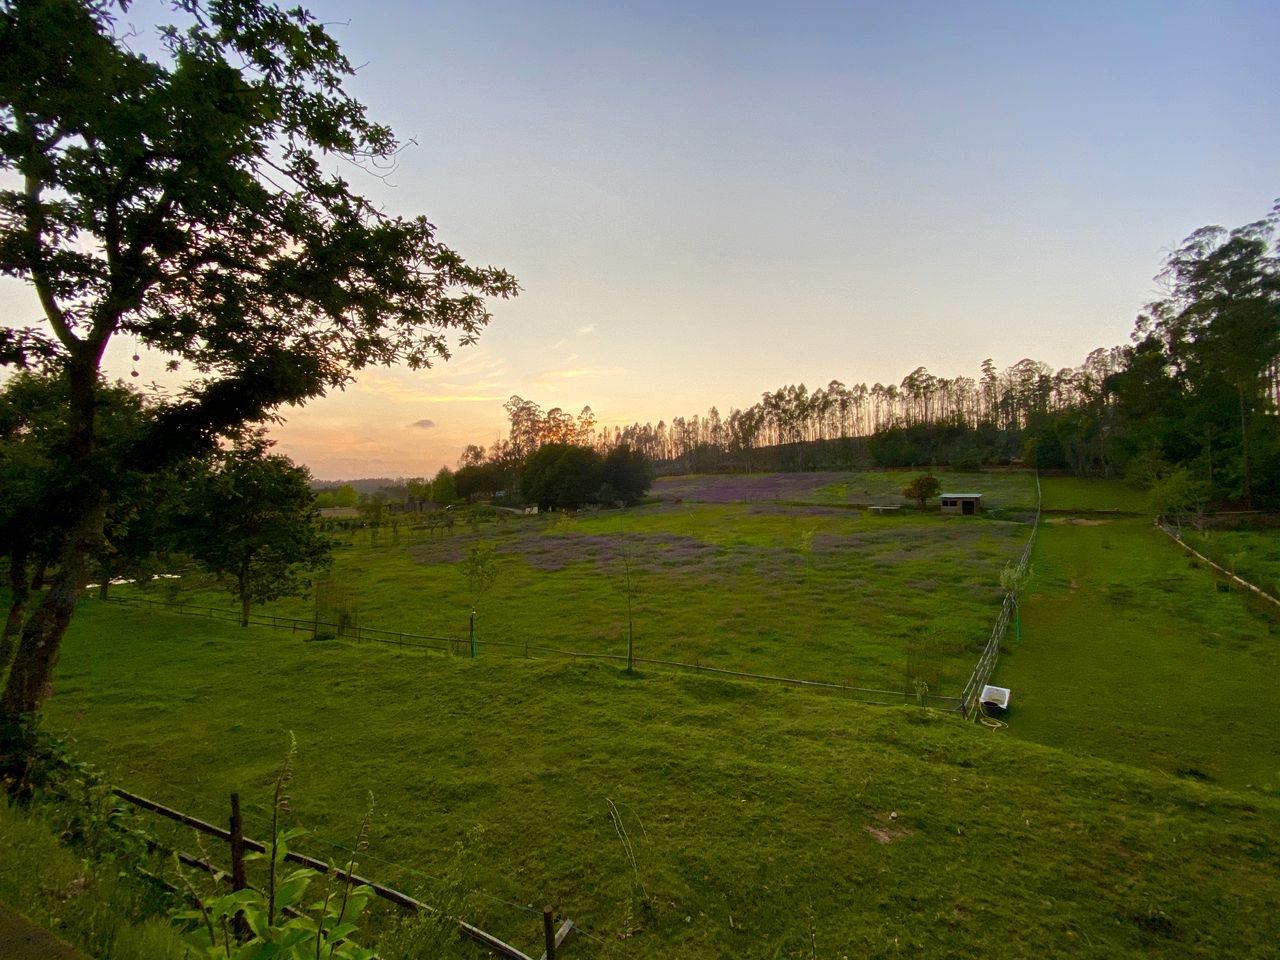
(366, 485)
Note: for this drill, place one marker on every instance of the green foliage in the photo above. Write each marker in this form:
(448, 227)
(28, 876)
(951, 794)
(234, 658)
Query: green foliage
(343, 496)
(321, 929)
(444, 490)
(627, 475)
(97, 904)
(1179, 496)
(562, 475)
(250, 519)
(943, 442)
(476, 481)
(922, 488)
(1198, 386)
(184, 197)
(373, 508)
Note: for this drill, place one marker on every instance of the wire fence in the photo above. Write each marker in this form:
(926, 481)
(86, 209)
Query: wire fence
(969, 700)
(1174, 533)
(966, 703)
(462, 646)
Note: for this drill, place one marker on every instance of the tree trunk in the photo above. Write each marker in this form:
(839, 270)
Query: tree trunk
(244, 598)
(42, 568)
(30, 680)
(1244, 451)
(20, 588)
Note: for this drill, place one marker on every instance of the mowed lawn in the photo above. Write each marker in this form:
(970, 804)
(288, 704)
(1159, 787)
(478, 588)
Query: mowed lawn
(1131, 651)
(776, 574)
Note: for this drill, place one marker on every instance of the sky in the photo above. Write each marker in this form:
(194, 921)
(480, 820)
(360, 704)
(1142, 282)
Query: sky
(705, 201)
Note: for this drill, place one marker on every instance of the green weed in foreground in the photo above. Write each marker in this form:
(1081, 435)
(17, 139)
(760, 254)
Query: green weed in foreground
(763, 822)
(95, 906)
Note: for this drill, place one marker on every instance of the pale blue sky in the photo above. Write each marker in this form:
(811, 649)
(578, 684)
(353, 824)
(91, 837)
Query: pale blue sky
(705, 201)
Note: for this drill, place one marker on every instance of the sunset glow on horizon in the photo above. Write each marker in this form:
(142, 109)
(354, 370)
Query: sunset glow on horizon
(705, 202)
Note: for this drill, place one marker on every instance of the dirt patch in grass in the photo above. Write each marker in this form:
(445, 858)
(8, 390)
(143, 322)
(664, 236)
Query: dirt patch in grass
(1077, 521)
(889, 829)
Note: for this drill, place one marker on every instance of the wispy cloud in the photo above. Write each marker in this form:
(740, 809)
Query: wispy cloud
(589, 328)
(423, 424)
(475, 379)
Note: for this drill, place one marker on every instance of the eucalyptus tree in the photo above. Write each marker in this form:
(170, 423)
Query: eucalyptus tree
(191, 201)
(1219, 325)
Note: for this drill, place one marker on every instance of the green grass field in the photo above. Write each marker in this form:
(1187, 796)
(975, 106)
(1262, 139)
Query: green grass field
(1131, 651)
(1253, 555)
(1131, 809)
(794, 586)
(766, 822)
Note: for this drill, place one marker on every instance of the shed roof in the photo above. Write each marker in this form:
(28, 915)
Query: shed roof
(961, 496)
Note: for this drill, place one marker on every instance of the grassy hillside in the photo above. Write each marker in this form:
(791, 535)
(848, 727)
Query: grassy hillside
(765, 822)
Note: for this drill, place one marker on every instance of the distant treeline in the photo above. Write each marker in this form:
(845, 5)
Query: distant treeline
(1187, 408)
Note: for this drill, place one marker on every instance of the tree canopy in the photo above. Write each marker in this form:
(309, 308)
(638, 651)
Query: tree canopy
(562, 475)
(248, 517)
(922, 488)
(193, 203)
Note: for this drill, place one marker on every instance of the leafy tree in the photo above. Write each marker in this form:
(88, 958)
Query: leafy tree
(443, 488)
(417, 489)
(250, 519)
(922, 488)
(1220, 329)
(188, 202)
(478, 480)
(1179, 496)
(562, 475)
(36, 480)
(627, 475)
(373, 508)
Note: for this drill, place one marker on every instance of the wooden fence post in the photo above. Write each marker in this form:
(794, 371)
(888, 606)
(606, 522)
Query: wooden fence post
(549, 931)
(238, 880)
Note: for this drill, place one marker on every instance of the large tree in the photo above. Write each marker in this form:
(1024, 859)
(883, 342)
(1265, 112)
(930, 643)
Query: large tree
(37, 485)
(1219, 328)
(191, 202)
(562, 475)
(627, 474)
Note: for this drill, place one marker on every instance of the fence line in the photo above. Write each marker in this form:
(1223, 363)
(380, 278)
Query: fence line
(969, 699)
(456, 646)
(1176, 536)
(467, 930)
